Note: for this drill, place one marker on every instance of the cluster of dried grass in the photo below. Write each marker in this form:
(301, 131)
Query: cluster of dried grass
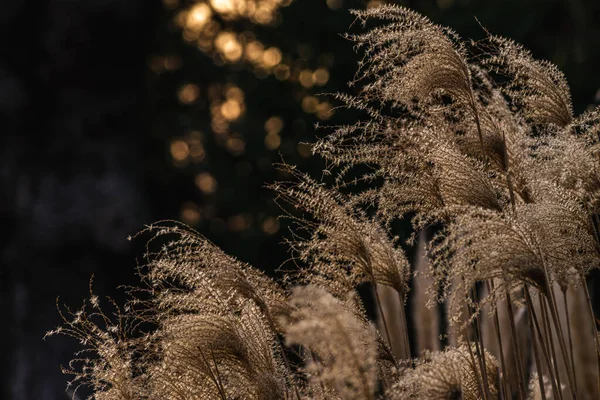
(506, 178)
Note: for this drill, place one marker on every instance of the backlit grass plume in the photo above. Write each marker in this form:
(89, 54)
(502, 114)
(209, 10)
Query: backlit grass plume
(500, 184)
(450, 374)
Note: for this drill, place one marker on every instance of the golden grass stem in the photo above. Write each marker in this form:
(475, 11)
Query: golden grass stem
(593, 318)
(549, 341)
(536, 355)
(568, 326)
(551, 299)
(383, 319)
(543, 345)
(516, 347)
(503, 380)
(406, 340)
(475, 371)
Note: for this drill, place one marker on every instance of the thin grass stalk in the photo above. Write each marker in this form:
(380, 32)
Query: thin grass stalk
(404, 327)
(516, 347)
(478, 123)
(549, 340)
(536, 355)
(481, 361)
(543, 346)
(594, 226)
(593, 318)
(477, 337)
(514, 210)
(511, 190)
(564, 292)
(563, 344)
(596, 230)
(218, 375)
(504, 383)
(385, 326)
(561, 339)
(481, 355)
(477, 375)
(480, 350)
(215, 377)
(597, 219)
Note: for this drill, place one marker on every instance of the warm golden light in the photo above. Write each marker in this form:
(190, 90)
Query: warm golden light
(320, 76)
(274, 125)
(335, 4)
(254, 51)
(231, 109)
(224, 6)
(270, 225)
(374, 4)
(324, 110)
(172, 63)
(258, 11)
(188, 93)
(229, 46)
(206, 183)
(309, 104)
(240, 222)
(271, 57)
(272, 142)
(306, 78)
(234, 92)
(236, 145)
(194, 140)
(218, 123)
(282, 72)
(198, 16)
(190, 213)
(264, 13)
(179, 150)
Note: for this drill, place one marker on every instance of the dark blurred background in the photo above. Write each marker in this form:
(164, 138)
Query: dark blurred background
(115, 114)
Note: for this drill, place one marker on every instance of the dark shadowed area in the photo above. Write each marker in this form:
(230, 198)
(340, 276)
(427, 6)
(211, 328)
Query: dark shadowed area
(116, 114)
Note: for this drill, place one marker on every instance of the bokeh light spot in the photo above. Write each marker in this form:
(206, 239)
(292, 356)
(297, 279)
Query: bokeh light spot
(335, 4)
(236, 145)
(271, 57)
(238, 223)
(270, 225)
(272, 142)
(274, 125)
(198, 16)
(320, 76)
(324, 110)
(190, 213)
(188, 93)
(231, 109)
(206, 183)
(254, 51)
(179, 150)
(282, 72)
(306, 78)
(229, 46)
(309, 104)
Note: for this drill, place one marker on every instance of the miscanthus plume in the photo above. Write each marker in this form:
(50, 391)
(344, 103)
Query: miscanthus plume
(501, 185)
